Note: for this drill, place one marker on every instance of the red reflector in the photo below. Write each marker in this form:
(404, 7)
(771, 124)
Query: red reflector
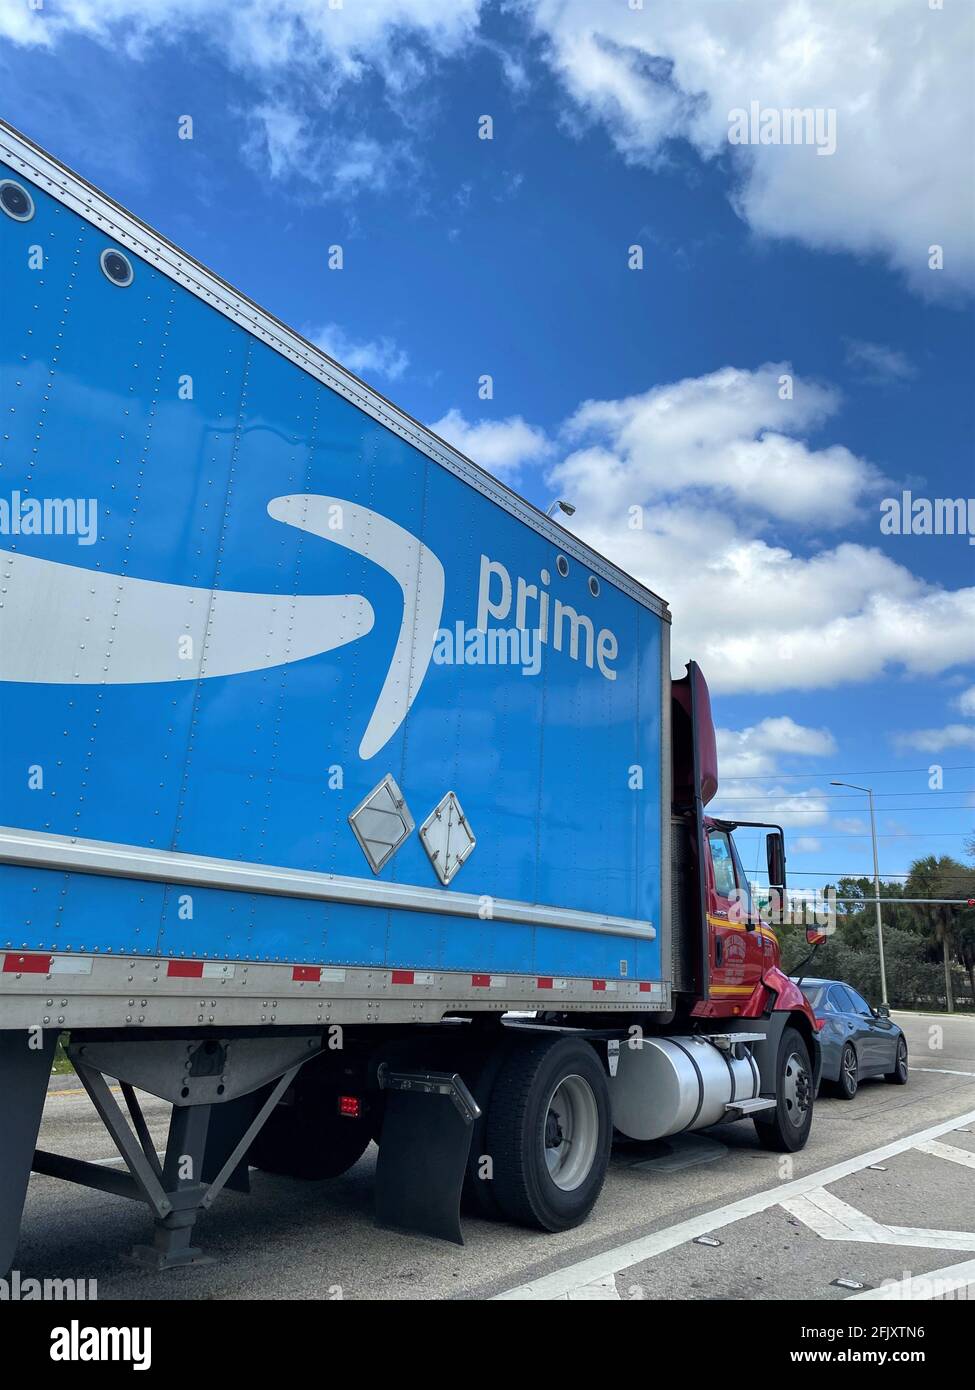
(350, 1106)
(481, 981)
(185, 969)
(544, 982)
(599, 984)
(312, 973)
(646, 987)
(402, 977)
(26, 965)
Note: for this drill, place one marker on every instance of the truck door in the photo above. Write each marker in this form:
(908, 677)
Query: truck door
(736, 952)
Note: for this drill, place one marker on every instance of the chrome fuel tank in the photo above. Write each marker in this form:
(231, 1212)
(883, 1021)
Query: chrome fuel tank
(665, 1085)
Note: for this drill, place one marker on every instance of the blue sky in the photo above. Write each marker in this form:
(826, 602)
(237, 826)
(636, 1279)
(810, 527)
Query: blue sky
(832, 649)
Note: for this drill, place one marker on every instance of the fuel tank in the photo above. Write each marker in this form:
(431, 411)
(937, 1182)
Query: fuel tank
(665, 1085)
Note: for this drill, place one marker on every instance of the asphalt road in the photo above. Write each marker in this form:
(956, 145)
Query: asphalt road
(884, 1191)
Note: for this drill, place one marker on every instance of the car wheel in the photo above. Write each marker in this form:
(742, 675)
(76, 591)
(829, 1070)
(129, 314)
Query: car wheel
(846, 1087)
(898, 1077)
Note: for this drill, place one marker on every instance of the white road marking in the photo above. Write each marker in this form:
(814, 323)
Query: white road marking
(599, 1291)
(611, 1262)
(942, 1071)
(833, 1219)
(915, 1288)
(949, 1151)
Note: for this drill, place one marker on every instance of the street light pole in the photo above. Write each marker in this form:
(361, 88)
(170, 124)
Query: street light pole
(876, 884)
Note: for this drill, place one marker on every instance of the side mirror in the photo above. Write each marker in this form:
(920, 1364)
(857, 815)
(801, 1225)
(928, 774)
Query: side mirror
(775, 858)
(815, 937)
(882, 1011)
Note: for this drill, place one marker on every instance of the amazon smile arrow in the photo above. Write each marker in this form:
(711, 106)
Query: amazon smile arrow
(67, 625)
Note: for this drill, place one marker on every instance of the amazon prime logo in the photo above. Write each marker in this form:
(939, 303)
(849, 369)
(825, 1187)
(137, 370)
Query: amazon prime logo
(114, 629)
(49, 516)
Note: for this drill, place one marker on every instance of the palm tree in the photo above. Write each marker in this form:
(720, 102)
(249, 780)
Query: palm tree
(938, 877)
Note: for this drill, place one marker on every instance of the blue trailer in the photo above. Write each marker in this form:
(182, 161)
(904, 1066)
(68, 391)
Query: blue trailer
(322, 751)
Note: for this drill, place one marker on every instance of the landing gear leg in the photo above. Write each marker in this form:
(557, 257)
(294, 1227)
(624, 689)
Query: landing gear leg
(24, 1071)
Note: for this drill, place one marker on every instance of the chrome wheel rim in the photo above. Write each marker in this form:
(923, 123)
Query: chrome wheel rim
(795, 1089)
(849, 1069)
(570, 1132)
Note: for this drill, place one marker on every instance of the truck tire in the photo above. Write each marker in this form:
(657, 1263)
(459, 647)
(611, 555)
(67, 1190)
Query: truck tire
(549, 1132)
(786, 1128)
(478, 1195)
(308, 1140)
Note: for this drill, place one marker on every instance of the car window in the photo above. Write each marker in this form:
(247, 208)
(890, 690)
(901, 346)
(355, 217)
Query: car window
(724, 865)
(840, 1001)
(814, 994)
(860, 1005)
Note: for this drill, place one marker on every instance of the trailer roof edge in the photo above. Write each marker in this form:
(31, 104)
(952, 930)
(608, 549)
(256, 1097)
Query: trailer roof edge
(84, 198)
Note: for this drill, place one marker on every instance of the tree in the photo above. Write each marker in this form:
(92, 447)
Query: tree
(940, 877)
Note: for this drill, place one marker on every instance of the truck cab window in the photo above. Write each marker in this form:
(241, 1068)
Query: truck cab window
(723, 863)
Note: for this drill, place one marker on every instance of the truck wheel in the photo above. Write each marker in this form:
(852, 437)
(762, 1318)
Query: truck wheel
(478, 1195)
(304, 1140)
(786, 1128)
(849, 1081)
(898, 1077)
(549, 1133)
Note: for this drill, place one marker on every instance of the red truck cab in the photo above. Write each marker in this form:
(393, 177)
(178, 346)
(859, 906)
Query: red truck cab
(735, 972)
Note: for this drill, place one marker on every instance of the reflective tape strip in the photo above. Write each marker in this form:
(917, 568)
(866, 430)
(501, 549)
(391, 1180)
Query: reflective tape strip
(200, 970)
(185, 969)
(489, 981)
(550, 982)
(72, 965)
(26, 964)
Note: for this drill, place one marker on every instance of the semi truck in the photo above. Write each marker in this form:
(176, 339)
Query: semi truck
(345, 796)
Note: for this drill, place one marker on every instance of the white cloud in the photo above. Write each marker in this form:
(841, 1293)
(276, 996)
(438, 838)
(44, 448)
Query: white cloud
(268, 35)
(772, 804)
(377, 357)
(763, 618)
(679, 484)
(937, 740)
(289, 145)
(752, 752)
(898, 77)
(502, 446)
(805, 844)
(965, 702)
(877, 363)
(730, 432)
(852, 825)
(305, 58)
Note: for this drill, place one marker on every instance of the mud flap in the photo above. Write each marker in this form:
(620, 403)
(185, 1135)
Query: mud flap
(24, 1072)
(423, 1150)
